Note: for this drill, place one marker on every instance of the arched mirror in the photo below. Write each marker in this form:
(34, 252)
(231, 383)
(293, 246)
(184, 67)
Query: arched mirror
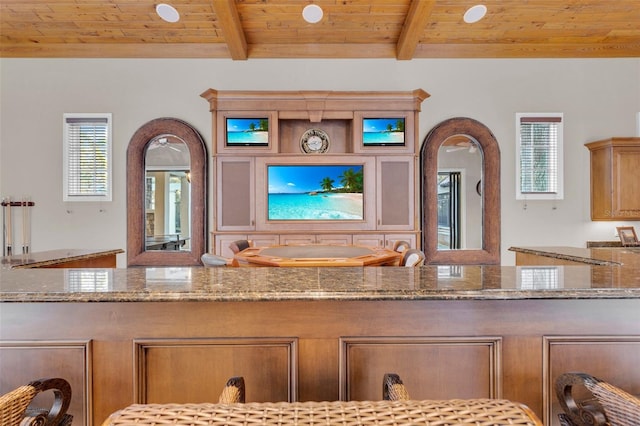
(166, 195)
(460, 161)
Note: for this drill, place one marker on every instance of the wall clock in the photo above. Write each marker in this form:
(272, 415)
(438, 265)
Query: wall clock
(314, 141)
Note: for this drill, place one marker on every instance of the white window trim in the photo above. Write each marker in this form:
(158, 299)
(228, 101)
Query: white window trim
(559, 195)
(65, 161)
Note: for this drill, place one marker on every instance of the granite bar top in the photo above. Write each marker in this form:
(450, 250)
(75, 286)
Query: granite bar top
(310, 283)
(52, 257)
(608, 256)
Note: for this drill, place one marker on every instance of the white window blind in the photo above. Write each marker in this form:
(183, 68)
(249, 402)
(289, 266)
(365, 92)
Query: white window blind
(539, 156)
(87, 157)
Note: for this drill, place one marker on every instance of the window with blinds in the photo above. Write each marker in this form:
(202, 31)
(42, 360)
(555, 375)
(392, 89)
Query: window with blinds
(87, 157)
(539, 156)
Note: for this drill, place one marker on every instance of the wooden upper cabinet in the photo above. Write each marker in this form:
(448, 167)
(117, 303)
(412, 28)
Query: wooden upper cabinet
(263, 137)
(615, 179)
(283, 117)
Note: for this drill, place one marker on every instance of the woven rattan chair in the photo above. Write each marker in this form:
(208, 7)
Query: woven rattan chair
(233, 391)
(393, 389)
(609, 406)
(486, 412)
(15, 406)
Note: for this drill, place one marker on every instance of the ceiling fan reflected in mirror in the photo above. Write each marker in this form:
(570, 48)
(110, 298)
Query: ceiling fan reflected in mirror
(468, 145)
(162, 143)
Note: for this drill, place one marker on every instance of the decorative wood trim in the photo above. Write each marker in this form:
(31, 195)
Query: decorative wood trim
(314, 102)
(318, 51)
(229, 20)
(413, 29)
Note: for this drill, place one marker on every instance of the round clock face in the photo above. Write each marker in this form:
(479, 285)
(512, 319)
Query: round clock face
(314, 141)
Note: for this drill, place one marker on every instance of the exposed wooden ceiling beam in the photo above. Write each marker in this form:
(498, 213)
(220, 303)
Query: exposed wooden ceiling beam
(229, 21)
(414, 24)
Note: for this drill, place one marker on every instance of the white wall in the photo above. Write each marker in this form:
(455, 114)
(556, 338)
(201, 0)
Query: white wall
(599, 99)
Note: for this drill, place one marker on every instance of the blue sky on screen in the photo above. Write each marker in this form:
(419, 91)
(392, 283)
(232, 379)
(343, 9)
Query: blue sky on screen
(378, 124)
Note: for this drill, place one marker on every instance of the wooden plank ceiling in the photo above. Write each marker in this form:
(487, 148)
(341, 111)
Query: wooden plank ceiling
(247, 29)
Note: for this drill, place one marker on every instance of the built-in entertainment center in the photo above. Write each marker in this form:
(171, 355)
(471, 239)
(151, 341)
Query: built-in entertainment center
(295, 167)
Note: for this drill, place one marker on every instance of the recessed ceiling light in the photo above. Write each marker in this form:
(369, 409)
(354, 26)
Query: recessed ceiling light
(167, 12)
(475, 13)
(312, 13)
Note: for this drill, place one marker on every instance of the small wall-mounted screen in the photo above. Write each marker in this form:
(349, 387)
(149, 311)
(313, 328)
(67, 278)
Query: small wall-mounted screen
(383, 131)
(247, 131)
(315, 192)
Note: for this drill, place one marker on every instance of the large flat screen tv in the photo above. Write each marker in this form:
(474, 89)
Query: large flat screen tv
(311, 192)
(247, 131)
(383, 131)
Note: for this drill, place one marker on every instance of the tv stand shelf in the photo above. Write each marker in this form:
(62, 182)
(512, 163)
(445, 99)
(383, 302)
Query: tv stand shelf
(370, 135)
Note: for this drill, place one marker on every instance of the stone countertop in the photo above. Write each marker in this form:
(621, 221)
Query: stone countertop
(318, 283)
(52, 257)
(608, 256)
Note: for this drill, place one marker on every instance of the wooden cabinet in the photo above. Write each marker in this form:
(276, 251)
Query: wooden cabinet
(115, 354)
(384, 240)
(362, 145)
(221, 241)
(615, 179)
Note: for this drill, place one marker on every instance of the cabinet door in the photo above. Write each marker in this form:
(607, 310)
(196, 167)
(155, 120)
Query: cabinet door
(390, 239)
(264, 240)
(286, 239)
(235, 194)
(626, 187)
(396, 182)
(222, 243)
(370, 240)
(334, 239)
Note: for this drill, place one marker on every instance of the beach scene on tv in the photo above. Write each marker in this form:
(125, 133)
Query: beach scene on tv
(247, 131)
(315, 192)
(383, 131)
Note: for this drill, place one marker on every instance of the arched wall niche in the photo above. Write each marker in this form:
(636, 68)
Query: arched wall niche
(489, 254)
(137, 255)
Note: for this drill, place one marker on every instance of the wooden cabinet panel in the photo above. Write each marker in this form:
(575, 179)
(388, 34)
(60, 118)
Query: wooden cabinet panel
(196, 370)
(385, 240)
(371, 240)
(396, 192)
(462, 367)
(287, 239)
(613, 359)
(236, 186)
(334, 239)
(330, 348)
(222, 241)
(264, 240)
(390, 239)
(315, 239)
(23, 362)
(615, 179)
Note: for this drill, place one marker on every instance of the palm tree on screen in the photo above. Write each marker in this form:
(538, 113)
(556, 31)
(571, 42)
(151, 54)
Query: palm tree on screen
(327, 184)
